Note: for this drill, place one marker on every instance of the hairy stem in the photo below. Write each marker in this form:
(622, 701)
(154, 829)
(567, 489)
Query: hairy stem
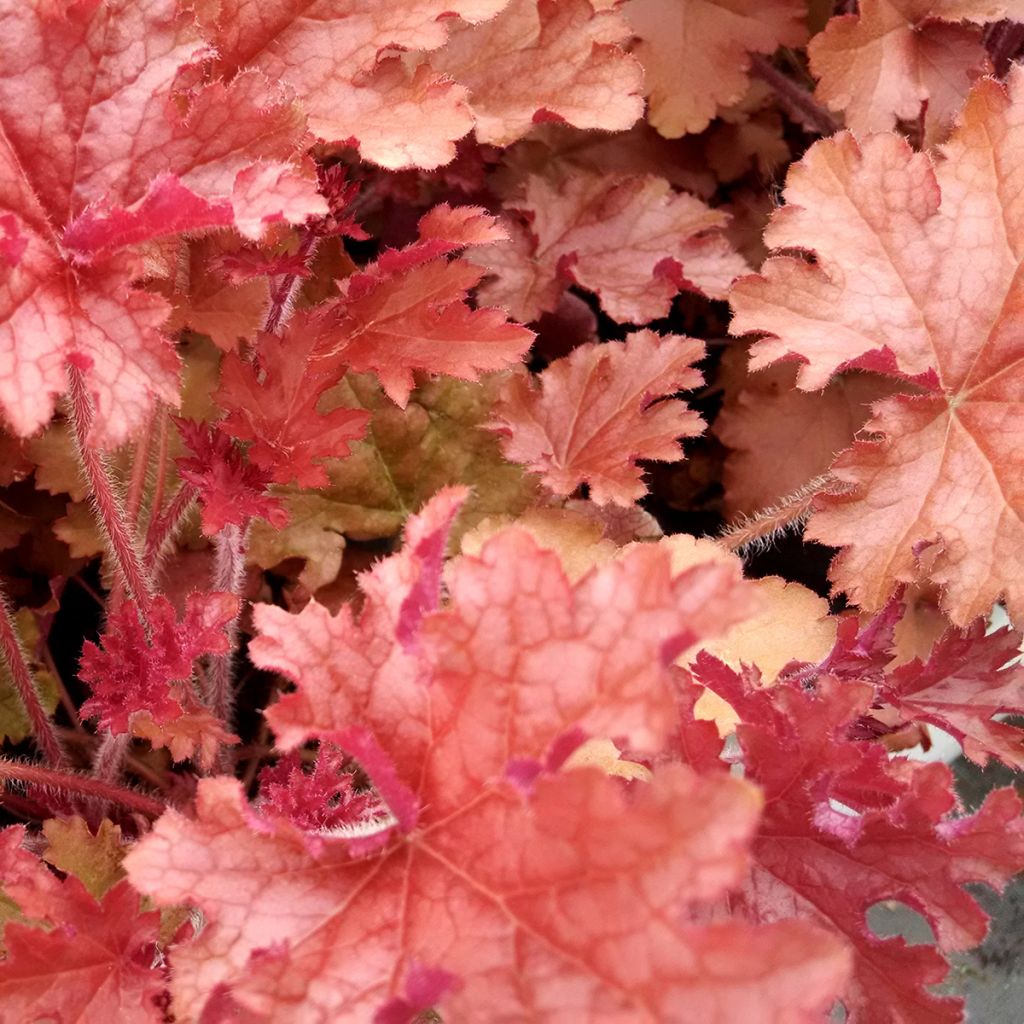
(163, 525)
(21, 675)
(110, 512)
(281, 296)
(110, 756)
(66, 782)
(789, 513)
(228, 574)
(160, 463)
(798, 103)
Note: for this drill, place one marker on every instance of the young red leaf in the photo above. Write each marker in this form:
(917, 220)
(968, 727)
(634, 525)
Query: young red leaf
(231, 489)
(131, 671)
(937, 493)
(272, 402)
(323, 799)
(596, 412)
(695, 54)
(90, 960)
(899, 837)
(633, 241)
(93, 126)
(961, 687)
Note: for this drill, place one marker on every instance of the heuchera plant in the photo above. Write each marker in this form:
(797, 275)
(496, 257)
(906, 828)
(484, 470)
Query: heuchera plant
(372, 650)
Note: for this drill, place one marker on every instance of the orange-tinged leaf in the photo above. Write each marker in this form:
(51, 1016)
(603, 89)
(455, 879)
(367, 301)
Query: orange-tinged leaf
(596, 411)
(408, 311)
(328, 51)
(632, 241)
(885, 62)
(695, 53)
(545, 60)
(780, 437)
(917, 273)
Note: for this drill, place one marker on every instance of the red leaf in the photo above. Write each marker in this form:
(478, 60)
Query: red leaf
(408, 311)
(231, 490)
(96, 960)
(132, 672)
(961, 686)
(899, 838)
(597, 411)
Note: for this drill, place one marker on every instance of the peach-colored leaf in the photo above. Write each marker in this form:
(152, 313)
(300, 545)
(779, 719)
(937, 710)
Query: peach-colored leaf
(917, 273)
(695, 53)
(597, 411)
(633, 241)
(545, 60)
(883, 63)
(331, 53)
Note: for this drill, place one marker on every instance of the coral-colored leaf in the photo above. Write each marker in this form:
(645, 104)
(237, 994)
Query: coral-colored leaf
(103, 147)
(695, 53)
(526, 892)
(885, 62)
(633, 241)
(899, 837)
(537, 933)
(938, 494)
(272, 402)
(95, 962)
(408, 310)
(597, 411)
(545, 60)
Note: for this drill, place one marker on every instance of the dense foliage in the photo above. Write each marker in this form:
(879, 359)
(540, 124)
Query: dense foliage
(426, 429)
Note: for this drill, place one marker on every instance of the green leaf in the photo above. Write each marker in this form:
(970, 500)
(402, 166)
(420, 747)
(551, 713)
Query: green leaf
(406, 457)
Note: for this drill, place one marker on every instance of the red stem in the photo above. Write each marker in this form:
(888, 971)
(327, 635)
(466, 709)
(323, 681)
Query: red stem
(160, 473)
(164, 525)
(24, 683)
(228, 574)
(281, 295)
(109, 510)
(70, 782)
(137, 484)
